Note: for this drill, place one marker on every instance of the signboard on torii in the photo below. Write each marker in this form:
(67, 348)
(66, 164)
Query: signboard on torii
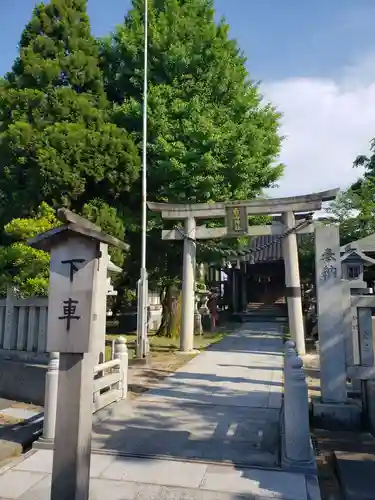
(236, 220)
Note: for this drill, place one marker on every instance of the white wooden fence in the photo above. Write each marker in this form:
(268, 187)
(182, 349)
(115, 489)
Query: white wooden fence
(23, 325)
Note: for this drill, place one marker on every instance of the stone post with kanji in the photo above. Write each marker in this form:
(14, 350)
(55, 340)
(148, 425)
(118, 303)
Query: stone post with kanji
(75, 288)
(329, 291)
(334, 410)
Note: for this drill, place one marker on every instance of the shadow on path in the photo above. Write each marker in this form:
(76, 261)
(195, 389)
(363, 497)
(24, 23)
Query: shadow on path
(222, 406)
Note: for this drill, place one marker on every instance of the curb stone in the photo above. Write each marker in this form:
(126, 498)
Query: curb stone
(17, 438)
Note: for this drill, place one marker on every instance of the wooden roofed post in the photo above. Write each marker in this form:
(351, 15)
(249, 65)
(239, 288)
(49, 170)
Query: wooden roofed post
(76, 286)
(235, 282)
(243, 286)
(100, 307)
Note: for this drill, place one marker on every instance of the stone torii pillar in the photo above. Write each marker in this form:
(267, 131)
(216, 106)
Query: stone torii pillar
(292, 284)
(188, 287)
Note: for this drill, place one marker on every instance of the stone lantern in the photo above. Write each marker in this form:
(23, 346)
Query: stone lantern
(353, 263)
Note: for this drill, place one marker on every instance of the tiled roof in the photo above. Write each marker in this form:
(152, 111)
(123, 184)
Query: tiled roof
(270, 253)
(366, 244)
(272, 245)
(272, 249)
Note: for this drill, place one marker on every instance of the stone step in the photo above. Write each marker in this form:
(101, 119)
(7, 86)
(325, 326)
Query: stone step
(266, 308)
(258, 318)
(270, 312)
(269, 306)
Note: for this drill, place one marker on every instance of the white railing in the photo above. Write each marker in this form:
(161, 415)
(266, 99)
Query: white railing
(110, 385)
(23, 324)
(111, 377)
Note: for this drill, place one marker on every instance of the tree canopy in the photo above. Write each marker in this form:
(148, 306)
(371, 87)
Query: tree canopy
(210, 135)
(71, 122)
(21, 267)
(354, 208)
(57, 141)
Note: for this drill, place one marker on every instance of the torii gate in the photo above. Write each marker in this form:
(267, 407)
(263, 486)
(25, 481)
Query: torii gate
(236, 214)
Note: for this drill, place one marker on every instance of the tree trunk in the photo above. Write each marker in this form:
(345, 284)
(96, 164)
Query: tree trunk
(176, 318)
(171, 313)
(166, 303)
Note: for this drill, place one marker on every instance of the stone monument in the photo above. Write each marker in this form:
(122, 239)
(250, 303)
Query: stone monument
(333, 409)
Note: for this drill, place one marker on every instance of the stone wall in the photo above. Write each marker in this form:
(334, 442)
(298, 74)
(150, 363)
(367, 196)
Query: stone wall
(22, 381)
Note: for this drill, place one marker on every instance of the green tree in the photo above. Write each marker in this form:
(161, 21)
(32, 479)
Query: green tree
(354, 210)
(345, 210)
(210, 136)
(107, 218)
(363, 192)
(27, 269)
(341, 211)
(57, 141)
(22, 267)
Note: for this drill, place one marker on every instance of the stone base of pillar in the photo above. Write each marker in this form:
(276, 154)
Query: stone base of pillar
(43, 444)
(302, 467)
(141, 361)
(305, 467)
(187, 353)
(337, 416)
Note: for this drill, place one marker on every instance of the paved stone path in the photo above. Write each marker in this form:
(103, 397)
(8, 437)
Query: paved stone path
(223, 405)
(198, 435)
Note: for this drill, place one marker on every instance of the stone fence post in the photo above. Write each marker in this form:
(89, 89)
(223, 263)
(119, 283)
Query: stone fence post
(121, 353)
(50, 397)
(9, 329)
(297, 449)
(290, 353)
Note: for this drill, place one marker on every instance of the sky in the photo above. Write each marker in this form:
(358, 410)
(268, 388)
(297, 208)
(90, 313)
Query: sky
(315, 61)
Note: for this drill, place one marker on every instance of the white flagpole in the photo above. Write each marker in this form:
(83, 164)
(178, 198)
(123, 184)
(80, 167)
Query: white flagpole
(142, 344)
